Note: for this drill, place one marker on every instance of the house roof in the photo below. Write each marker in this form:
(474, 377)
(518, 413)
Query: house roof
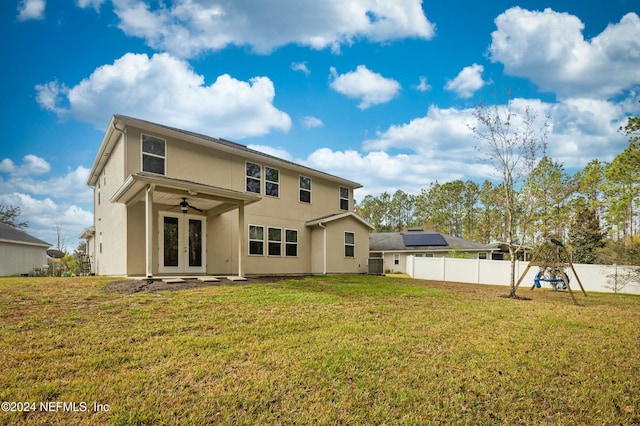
(88, 233)
(13, 235)
(171, 190)
(338, 216)
(118, 123)
(398, 241)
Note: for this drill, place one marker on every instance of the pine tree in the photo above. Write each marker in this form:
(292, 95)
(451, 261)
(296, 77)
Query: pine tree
(586, 236)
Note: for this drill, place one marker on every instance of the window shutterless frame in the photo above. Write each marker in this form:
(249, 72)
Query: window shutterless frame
(253, 177)
(291, 242)
(349, 244)
(274, 241)
(154, 154)
(305, 190)
(344, 198)
(256, 240)
(271, 182)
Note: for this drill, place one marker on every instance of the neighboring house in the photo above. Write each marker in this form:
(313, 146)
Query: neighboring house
(394, 247)
(20, 253)
(173, 202)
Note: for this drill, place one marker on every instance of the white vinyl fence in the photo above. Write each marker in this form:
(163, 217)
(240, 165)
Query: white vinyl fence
(598, 278)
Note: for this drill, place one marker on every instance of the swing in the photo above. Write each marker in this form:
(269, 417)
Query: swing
(552, 276)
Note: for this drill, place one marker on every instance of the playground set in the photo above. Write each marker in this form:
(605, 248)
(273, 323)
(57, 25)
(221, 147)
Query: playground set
(553, 261)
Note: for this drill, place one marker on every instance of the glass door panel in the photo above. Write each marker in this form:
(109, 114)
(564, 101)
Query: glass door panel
(195, 242)
(170, 234)
(182, 243)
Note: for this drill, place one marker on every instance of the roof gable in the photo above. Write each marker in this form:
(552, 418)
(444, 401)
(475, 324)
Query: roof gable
(330, 218)
(10, 234)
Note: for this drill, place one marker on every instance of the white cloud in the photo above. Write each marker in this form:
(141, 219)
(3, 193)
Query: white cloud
(423, 86)
(167, 90)
(24, 179)
(300, 66)
(380, 171)
(369, 87)
(44, 215)
(90, 3)
(189, 27)
(440, 146)
(276, 152)
(310, 122)
(31, 9)
(467, 82)
(45, 203)
(441, 133)
(549, 48)
(32, 165)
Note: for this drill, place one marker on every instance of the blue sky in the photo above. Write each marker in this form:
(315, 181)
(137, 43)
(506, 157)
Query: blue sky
(377, 91)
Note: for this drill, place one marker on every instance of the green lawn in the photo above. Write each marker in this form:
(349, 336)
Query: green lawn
(323, 350)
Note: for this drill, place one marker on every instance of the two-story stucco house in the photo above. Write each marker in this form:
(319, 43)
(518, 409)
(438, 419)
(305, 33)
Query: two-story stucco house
(173, 202)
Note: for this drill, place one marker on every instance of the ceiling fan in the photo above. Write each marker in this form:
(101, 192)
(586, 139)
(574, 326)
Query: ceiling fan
(185, 206)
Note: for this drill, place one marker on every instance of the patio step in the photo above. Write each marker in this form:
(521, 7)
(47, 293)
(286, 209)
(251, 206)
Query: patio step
(209, 279)
(173, 280)
(236, 278)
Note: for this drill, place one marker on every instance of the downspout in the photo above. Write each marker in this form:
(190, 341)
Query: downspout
(324, 247)
(123, 132)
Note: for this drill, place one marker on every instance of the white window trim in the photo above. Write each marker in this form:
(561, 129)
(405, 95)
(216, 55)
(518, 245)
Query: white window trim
(344, 248)
(269, 241)
(270, 181)
(143, 153)
(307, 190)
(289, 243)
(253, 178)
(251, 239)
(348, 199)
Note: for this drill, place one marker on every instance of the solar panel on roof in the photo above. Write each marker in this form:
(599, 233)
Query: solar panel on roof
(423, 240)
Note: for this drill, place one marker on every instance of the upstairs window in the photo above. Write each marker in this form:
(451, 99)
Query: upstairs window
(344, 198)
(254, 177)
(349, 244)
(153, 154)
(305, 189)
(271, 182)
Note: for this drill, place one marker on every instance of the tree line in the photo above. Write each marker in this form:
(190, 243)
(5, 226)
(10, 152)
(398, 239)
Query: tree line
(595, 212)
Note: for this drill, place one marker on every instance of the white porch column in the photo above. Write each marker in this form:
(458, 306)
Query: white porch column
(148, 200)
(241, 239)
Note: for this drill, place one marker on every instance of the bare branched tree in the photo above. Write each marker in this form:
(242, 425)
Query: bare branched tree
(511, 143)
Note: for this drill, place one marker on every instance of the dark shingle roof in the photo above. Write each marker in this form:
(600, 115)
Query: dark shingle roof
(234, 145)
(394, 241)
(9, 233)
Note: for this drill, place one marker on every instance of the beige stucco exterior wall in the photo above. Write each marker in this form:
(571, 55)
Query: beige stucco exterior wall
(122, 228)
(111, 219)
(18, 259)
(136, 239)
(336, 261)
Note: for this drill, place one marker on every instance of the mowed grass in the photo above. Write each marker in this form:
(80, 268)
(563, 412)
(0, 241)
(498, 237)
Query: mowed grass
(321, 350)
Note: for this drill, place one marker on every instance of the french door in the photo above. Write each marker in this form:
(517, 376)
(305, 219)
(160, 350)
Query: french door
(182, 243)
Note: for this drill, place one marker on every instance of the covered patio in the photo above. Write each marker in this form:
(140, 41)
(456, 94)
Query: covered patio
(177, 211)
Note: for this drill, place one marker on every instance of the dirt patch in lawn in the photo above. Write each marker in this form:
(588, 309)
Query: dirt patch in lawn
(144, 285)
